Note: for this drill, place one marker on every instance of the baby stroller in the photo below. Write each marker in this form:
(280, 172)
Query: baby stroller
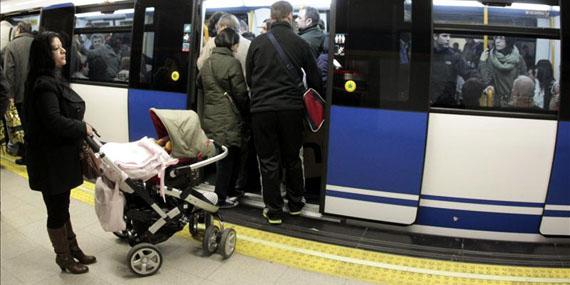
(153, 213)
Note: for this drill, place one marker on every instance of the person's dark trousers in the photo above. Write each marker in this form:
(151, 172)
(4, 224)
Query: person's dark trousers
(57, 209)
(278, 140)
(248, 178)
(227, 171)
(21, 147)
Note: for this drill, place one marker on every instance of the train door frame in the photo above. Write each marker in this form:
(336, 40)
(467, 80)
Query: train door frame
(556, 214)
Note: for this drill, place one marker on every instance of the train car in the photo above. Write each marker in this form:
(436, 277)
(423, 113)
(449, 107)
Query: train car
(391, 154)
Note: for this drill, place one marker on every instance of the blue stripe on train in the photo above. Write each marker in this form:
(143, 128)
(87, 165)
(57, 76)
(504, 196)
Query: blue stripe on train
(484, 202)
(58, 6)
(559, 214)
(376, 149)
(374, 199)
(140, 101)
(483, 221)
(559, 188)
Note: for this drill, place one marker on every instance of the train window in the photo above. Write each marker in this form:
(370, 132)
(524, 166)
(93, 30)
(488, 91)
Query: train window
(516, 74)
(98, 19)
(34, 20)
(515, 15)
(101, 57)
(496, 58)
(372, 54)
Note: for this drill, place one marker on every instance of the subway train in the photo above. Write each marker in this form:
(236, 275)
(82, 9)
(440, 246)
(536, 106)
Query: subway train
(389, 155)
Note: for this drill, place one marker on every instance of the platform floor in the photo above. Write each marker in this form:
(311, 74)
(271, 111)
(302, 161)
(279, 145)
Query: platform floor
(261, 257)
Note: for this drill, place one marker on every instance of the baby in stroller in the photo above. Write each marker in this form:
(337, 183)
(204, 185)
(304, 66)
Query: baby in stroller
(146, 195)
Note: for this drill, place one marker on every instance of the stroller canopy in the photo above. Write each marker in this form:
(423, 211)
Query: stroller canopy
(186, 135)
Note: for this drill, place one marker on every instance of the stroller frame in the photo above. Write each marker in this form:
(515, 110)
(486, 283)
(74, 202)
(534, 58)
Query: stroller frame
(215, 238)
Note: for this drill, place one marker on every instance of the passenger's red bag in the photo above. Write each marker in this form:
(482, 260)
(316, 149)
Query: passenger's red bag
(314, 109)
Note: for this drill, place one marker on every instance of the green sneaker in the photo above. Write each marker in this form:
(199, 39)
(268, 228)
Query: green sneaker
(270, 220)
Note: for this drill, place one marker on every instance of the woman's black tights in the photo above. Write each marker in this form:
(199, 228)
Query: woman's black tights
(57, 209)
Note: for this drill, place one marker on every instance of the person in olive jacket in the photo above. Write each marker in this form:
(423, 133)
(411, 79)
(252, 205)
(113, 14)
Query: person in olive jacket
(54, 133)
(225, 101)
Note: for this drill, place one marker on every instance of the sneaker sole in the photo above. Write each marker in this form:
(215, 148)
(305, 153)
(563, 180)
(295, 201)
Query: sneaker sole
(297, 213)
(272, 222)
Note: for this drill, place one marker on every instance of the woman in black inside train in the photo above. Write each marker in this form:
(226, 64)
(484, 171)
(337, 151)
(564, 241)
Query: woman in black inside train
(54, 132)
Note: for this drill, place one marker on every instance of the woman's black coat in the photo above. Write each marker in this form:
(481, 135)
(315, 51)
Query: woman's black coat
(54, 132)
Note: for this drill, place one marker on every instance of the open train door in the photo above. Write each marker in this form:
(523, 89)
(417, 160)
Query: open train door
(160, 65)
(60, 18)
(378, 116)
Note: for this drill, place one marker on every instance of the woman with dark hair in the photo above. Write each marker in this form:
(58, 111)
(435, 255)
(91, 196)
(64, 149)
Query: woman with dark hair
(225, 102)
(54, 133)
(545, 77)
(500, 67)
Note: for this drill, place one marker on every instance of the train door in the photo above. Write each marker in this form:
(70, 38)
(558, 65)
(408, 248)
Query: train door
(556, 215)
(252, 16)
(161, 48)
(378, 117)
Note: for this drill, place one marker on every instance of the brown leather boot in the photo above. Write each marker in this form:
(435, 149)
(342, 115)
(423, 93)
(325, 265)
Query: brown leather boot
(76, 252)
(63, 257)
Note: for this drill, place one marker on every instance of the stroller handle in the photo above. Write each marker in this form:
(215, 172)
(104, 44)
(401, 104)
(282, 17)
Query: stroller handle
(94, 143)
(222, 153)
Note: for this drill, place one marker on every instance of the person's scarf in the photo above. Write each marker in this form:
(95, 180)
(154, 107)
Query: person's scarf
(504, 62)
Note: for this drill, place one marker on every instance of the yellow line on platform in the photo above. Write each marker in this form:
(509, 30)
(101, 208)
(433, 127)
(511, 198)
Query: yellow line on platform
(359, 264)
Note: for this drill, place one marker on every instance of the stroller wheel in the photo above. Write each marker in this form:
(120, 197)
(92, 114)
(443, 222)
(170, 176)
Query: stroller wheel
(210, 241)
(227, 244)
(144, 259)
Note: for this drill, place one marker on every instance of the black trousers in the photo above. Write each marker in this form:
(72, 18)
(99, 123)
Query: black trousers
(57, 209)
(278, 140)
(227, 172)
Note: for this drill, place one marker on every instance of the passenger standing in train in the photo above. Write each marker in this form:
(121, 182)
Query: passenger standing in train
(54, 132)
(244, 31)
(523, 93)
(225, 101)
(472, 91)
(226, 21)
(500, 66)
(16, 68)
(278, 112)
(308, 23)
(102, 60)
(212, 21)
(545, 77)
(446, 66)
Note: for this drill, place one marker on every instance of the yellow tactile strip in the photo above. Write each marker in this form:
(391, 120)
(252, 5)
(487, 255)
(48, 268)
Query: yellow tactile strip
(360, 264)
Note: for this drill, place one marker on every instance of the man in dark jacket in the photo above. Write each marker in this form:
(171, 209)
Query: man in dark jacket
(308, 23)
(277, 110)
(16, 68)
(446, 66)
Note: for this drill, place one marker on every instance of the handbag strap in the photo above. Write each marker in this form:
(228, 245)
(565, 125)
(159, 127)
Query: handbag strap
(285, 61)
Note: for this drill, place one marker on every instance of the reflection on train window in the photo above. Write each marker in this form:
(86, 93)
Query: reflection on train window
(101, 57)
(372, 61)
(34, 20)
(149, 15)
(515, 74)
(97, 19)
(146, 57)
(515, 15)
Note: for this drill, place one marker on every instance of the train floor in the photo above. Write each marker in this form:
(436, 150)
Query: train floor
(300, 251)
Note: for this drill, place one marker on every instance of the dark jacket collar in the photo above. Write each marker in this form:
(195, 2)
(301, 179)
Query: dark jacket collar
(281, 24)
(308, 29)
(223, 50)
